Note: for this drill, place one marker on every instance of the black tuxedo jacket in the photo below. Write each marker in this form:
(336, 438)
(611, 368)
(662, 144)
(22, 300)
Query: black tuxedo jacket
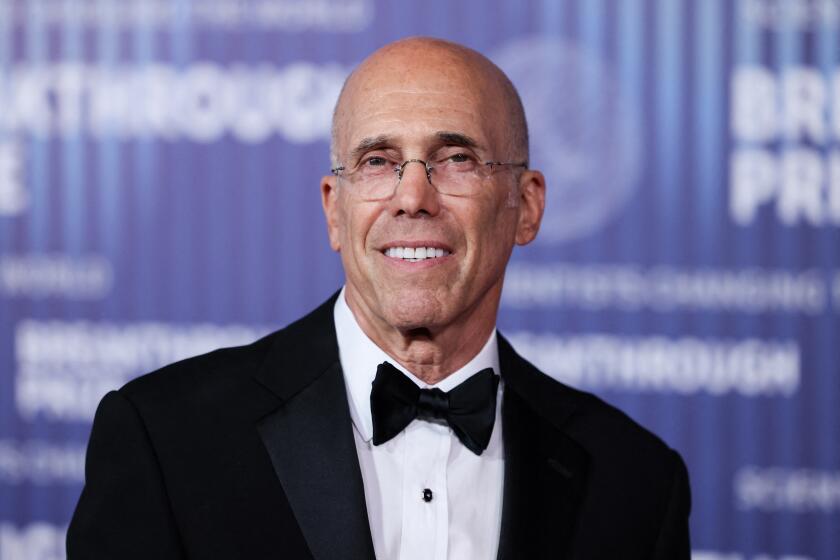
(248, 453)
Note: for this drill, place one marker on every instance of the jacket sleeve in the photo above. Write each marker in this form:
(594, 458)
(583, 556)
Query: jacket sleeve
(673, 542)
(124, 510)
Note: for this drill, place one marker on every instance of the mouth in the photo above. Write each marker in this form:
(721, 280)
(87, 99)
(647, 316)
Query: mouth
(416, 254)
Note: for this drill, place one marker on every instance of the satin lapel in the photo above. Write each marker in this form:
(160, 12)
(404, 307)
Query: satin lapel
(545, 470)
(310, 440)
(311, 446)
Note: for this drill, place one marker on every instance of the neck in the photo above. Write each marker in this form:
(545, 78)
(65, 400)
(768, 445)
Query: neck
(431, 353)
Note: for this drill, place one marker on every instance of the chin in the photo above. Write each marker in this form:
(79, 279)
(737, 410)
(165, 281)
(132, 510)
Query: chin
(413, 309)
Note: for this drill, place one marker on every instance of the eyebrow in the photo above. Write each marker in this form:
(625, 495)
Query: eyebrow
(456, 139)
(370, 143)
(384, 140)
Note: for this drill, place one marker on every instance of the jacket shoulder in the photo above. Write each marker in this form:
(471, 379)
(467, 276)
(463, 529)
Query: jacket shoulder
(213, 376)
(603, 430)
(631, 484)
(219, 367)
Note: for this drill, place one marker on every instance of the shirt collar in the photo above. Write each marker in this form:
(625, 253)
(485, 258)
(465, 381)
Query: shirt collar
(360, 356)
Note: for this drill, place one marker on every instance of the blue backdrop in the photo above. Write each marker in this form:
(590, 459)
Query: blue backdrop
(159, 167)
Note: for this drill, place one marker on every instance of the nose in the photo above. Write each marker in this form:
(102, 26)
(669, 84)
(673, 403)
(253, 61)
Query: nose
(415, 195)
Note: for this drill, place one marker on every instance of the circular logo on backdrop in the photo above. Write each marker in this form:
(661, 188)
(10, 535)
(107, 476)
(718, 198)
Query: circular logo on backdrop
(585, 135)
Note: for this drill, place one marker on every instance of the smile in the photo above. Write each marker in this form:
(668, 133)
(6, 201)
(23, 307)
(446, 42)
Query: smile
(415, 254)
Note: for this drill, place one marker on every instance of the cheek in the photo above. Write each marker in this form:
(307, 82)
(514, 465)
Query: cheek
(493, 222)
(492, 235)
(356, 225)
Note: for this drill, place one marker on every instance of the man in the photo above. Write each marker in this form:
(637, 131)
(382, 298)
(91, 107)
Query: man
(392, 421)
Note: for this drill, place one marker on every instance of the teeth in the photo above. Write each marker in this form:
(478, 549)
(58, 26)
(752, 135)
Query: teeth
(415, 254)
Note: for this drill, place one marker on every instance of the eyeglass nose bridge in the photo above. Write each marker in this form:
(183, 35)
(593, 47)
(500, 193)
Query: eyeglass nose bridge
(400, 169)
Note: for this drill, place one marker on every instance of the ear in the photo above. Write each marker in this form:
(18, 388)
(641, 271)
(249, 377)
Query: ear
(531, 206)
(332, 209)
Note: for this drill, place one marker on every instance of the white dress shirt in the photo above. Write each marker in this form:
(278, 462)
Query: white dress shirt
(463, 518)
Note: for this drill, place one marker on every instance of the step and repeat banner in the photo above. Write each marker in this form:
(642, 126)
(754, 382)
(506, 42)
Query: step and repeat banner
(159, 169)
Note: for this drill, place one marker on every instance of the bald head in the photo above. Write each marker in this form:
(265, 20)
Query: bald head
(403, 63)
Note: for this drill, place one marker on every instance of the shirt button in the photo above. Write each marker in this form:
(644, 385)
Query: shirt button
(427, 495)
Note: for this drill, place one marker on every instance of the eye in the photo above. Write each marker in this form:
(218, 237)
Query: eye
(374, 161)
(459, 158)
(456, 161)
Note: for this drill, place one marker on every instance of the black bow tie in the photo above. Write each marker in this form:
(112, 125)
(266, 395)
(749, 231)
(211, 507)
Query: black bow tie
(469, 408)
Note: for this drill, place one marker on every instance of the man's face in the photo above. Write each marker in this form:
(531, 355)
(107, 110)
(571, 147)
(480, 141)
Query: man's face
(416, 112)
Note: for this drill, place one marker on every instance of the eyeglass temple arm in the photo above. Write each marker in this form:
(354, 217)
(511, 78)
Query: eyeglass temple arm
(513, 163)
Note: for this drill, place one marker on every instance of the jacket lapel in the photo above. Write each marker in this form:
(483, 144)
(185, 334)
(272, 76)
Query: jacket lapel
(545, 470)
(309, 439)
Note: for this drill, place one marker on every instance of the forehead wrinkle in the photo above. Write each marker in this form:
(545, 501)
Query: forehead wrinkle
(365, 102)
(387, 89)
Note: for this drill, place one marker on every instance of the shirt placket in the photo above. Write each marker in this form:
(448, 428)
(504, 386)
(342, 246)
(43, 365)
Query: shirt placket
(425, 517)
